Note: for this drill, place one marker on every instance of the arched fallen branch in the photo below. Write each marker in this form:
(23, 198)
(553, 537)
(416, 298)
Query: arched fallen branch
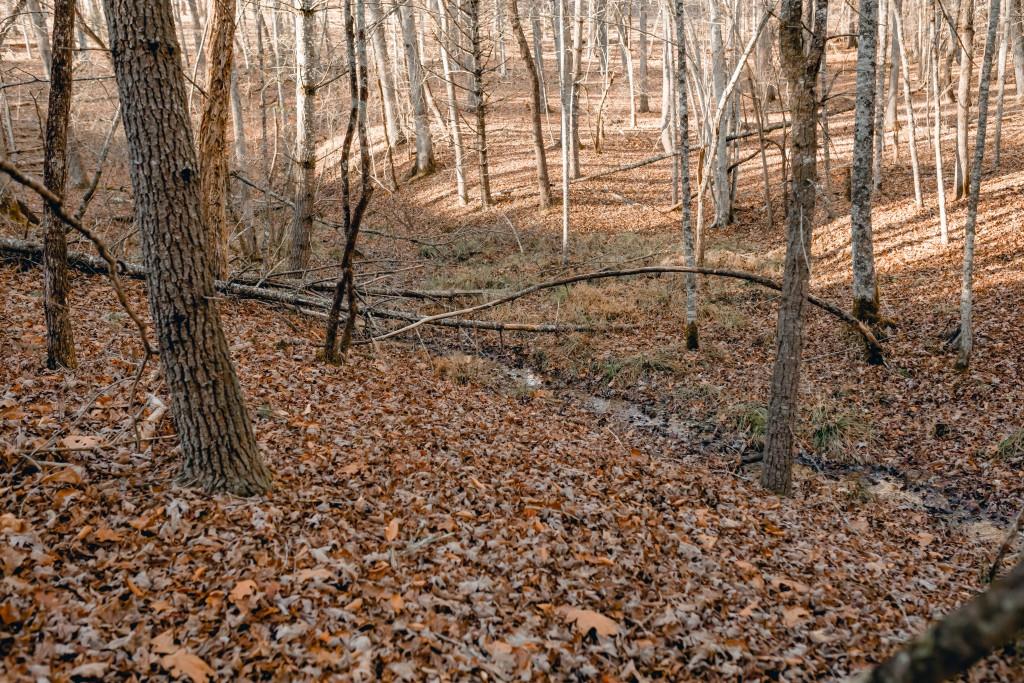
(873, 346)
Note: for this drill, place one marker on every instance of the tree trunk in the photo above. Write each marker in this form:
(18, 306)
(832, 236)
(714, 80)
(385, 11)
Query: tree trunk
(395, 134)
(445, 41)
(476, 46)
(643, 104)
(60, 344)
(213, 125)
(249, 242)
(990, 621)
(865, 287)
(305, 135)
(424, 164)
(565, 115)
(801, 72)
(909, 105)
(878, 112)
(997, 134)
(1017, 31)
(967, 283)
(543, 184)
(217, 441)
(963, 95)
(721, 193)
(937, 129)
(538, 54)
(683, 145)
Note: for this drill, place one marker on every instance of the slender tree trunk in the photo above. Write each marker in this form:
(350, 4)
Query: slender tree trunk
(801, 72)
(1017, 33)
(879, 106)
(937, 129)
(644, 98)
(249, 241)
(538, 54)
(213, 153)
(683, 145)
(543, 184)
(723, 202)
(865, 287)
(997, 134)
(565, 81)
(625, 48)
(445, 41)
(909, 105)
(476, 46)
(217, 441)
(967, 283)
(424, 164)
(963, 95)
(305, 135)
(395, 134)
(60, 343)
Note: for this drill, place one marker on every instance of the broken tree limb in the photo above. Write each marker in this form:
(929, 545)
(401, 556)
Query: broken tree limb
(306, 304)
(292, 298)
(874, 347)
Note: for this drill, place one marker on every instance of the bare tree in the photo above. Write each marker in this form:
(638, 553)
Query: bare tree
(392, 125)
(543, 184)
(967, 283)
(424, 164)
(217, 441)
(479, 95)
(801, 59)
(965, 33)
(683, 147)
(445, 41)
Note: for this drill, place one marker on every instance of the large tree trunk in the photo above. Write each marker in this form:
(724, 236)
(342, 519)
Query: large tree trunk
(424, 164)
(543, 184)
(305, 135)
(967, 283)
(213, 128)
(217, 440)
(60, 344)
(801, 72)
(865, 289)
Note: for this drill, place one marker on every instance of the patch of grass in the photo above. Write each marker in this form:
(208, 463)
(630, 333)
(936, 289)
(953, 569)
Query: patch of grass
(631, 370)
(1012, 446)
(839, 434)
(587, 304)
(463, 369)
(726, 315)
(750, 419)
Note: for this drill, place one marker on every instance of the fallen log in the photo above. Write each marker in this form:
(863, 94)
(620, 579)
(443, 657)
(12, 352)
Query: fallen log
(303, 302)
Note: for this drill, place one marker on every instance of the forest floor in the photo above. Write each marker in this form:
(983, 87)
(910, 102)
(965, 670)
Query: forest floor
(469, 504)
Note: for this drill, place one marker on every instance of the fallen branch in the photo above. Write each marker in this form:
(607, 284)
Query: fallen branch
(306, 304)
(874, 347)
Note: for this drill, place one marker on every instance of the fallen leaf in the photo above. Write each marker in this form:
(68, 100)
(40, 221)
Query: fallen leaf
(81, 441)
(242, 590)
(391, 533)
(184, 663)
(586, 619)
(163, 644)
(90, 670)
(64, 475)
(791, 616)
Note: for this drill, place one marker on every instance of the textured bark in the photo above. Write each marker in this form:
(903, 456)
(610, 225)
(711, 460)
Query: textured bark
(565, 115)
(908, 103)
(60, 344)
(543, 184)
(213, 128)
(1017, 37)
(217, 442)
(986, 623)
(387, 81)
(249, 242)
(801, 72)
(967, 282)
(476, 48)
(305, 135)
(538, 54)
(879, 110)
(683, 145)
(424, 164)
(865, 290)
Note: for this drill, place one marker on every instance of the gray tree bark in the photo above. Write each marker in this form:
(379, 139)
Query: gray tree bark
(305, 135)
(683, 145)
(543, 183)
(800, 63)
(424, 164)
(387, 82)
